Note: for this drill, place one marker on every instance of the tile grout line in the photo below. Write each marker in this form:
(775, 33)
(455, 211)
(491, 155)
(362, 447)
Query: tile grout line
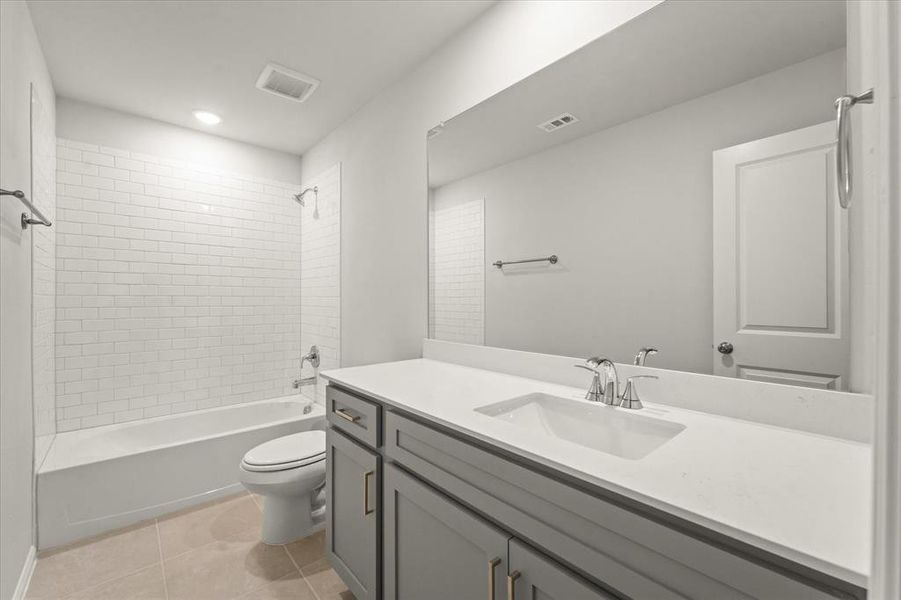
(159, 548)
(300, 572)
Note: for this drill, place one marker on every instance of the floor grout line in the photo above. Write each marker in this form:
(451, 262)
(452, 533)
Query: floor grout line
(300, 572)
(159, 547)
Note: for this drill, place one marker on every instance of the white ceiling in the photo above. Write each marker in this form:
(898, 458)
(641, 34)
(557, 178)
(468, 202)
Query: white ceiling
(163, 59)
(679, 50)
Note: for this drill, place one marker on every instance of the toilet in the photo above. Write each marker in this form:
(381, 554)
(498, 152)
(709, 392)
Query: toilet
(289, 473)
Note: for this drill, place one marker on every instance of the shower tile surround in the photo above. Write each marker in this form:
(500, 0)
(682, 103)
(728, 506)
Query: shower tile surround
(178, 286)
(457, 271)
(43, 323)
(320, 275)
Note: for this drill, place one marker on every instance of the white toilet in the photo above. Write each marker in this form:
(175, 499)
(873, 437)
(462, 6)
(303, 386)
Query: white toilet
(289, 472)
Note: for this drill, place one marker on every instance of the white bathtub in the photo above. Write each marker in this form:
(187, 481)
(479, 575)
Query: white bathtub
(103, 478)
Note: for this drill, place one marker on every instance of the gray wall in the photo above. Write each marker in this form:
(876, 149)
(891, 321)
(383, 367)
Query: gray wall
(628, 210)
(21, 63)
(382, 151)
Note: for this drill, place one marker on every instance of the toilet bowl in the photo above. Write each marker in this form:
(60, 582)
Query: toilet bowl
(289, 473)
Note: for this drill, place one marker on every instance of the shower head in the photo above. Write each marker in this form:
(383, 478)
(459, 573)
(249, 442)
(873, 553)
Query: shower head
(299, 197)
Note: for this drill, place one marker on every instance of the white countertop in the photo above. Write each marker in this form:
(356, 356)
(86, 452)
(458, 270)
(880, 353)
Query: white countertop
(798, 495)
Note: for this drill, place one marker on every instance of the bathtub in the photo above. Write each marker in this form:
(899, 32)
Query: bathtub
(99, 479)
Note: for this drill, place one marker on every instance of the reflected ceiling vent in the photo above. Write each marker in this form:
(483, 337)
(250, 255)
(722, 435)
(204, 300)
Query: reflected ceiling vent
(286, 83)
(558, 122)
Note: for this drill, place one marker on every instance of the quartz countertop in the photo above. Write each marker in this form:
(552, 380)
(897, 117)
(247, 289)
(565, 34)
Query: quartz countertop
(798, 495)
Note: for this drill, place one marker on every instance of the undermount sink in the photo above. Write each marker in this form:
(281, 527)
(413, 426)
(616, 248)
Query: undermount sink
(596, 426)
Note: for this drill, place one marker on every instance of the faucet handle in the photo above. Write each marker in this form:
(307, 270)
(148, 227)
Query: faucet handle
(595, 392)
(630, 397)
(643, 355)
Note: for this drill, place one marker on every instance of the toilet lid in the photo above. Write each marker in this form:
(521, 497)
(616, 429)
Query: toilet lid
(287, 452)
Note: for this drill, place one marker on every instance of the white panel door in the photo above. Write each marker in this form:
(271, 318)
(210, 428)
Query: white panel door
(780, 261)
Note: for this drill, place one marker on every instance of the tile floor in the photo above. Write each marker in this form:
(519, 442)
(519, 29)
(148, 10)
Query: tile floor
(209, 552)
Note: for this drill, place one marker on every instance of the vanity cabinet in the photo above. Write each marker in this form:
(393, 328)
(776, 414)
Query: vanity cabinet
(435, 548)
(533, 575)
(461, 518)
(352, 527)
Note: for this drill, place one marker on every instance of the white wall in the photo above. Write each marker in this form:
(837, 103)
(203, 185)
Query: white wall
(629, 212)
(101, 126)
(382, 150)
(21, 64)
(178, 286)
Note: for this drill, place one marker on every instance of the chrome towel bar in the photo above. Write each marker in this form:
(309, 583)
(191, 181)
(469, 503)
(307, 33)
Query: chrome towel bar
(26, 220)
(500, 263)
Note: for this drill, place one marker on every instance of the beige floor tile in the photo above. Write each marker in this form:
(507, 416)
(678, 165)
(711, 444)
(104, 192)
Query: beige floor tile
(65, 572)
(290, 587)
(222, 570)
(325, 582)
(223, 521)
(146, 584)
(308, 550)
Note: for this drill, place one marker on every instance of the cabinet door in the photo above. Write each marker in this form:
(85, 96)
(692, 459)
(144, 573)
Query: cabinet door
(352, 541)
(533, 576)
(435, 548)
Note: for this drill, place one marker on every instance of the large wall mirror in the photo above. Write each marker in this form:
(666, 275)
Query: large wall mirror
(674, 181)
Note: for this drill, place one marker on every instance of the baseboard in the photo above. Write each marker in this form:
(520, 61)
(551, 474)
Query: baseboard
(25, 575)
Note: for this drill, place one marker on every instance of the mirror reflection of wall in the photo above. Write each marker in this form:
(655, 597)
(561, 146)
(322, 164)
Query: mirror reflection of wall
(624, 195)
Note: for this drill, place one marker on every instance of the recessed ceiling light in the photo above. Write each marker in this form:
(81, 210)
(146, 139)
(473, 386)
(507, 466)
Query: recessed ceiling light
(207, 118)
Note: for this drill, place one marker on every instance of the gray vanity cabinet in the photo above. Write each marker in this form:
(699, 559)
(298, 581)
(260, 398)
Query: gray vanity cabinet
(535, 577)
(457, 513)
(352, 531)
(435, 548)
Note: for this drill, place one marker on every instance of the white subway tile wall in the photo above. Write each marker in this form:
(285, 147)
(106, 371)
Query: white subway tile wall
(43, 276)
(178, 286)
(320, 280)
(457, 271)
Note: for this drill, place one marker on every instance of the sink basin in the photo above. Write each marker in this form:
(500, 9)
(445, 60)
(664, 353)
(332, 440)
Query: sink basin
(597, 426)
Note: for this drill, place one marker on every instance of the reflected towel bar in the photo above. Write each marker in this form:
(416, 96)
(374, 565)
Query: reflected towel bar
(551, 259)
(26, 220)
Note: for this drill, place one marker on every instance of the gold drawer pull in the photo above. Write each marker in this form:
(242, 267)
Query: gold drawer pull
(511, 584)
(342, 412)
(366, 509)
(494, 562)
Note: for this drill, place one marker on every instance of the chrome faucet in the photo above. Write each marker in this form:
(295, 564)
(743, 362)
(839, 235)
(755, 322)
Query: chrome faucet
(595, 392)
(313, 358)
(630, 397)
(642, 356)
(611, 383)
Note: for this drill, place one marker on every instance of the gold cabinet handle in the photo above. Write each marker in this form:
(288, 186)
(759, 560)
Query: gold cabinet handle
(511, 584)
(342, 412)
(366, 509)
(494, 562)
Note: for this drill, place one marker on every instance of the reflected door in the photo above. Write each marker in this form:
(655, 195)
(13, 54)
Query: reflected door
(780, 258)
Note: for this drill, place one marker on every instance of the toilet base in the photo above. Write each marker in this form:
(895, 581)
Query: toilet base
(289, 518)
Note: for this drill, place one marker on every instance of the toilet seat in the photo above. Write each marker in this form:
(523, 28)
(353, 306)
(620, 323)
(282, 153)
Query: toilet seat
(288, 452)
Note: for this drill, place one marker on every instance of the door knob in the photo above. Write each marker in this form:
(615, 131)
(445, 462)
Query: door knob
(725, 348)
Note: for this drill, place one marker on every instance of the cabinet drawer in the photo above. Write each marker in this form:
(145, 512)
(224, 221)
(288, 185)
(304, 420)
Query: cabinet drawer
(612, 545)
(358, 418)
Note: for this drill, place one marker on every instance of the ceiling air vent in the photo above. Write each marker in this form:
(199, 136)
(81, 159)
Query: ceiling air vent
(558, 122)
(286, 83)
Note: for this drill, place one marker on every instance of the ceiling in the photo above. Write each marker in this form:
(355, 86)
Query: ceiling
(678, 50)
(164, 59)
